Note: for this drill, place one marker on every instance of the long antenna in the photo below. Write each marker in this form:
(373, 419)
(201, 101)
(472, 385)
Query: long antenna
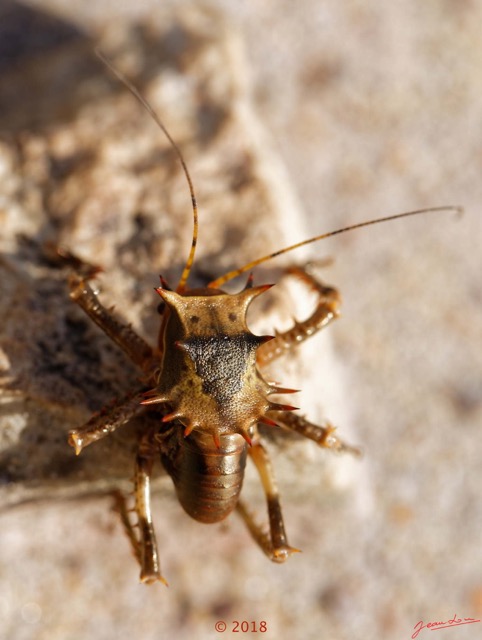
(215, 284)
(185, 274)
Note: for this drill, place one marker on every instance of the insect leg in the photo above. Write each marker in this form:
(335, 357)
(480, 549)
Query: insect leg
(143, 540)
(325, 312)
(106, 421)
(122, 334)
(274, 544)
(323, 435)
(147, 545)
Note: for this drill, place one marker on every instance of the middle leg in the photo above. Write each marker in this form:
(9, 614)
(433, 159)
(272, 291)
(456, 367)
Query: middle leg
(106, 421)
(324, 435)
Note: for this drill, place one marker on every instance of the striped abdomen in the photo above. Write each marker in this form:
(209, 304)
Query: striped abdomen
(208, 479)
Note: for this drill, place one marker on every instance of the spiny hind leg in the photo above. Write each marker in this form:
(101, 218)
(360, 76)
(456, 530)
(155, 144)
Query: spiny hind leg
(274, 544)
(324, 435)
(106, 421)
(142, 535)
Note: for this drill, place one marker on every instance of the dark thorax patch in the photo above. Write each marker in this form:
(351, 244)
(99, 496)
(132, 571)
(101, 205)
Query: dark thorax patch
(222, 362)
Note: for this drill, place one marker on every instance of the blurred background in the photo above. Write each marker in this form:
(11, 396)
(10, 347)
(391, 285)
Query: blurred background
(295, 119)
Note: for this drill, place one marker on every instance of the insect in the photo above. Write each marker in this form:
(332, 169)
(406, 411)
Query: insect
(203, 393)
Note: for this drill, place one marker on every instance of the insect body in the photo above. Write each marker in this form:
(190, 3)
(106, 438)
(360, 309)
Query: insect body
(203, 396)
(208, 396)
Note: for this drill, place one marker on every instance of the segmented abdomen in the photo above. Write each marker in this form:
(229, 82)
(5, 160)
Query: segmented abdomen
(208, 479)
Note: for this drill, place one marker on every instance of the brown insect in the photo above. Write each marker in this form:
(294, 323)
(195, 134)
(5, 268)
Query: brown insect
(204, 394)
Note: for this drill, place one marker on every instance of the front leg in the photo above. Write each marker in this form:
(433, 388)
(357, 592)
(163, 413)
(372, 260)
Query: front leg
(122, 334)
(325, 312)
